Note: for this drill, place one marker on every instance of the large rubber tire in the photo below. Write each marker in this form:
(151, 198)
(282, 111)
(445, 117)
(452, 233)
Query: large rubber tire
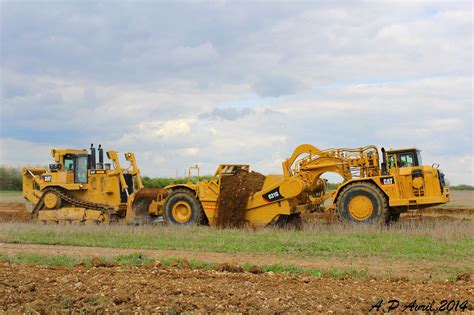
(373, 204)
(394, 216)
(289, 222)
(183, 208)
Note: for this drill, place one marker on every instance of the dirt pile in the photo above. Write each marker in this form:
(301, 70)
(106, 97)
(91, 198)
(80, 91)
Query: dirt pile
(234, 193)
(158, 289)
(230, 267)
(12, 212)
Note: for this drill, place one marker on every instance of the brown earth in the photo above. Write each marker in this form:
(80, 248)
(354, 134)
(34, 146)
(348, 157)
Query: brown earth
(25, 288)
(234, 193)
(14, 212)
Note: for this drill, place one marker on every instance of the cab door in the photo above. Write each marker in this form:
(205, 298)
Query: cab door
(404, 165)
(80, 169)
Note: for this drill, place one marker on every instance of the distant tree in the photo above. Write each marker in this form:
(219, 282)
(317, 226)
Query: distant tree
(10, 178)
(161, 182)
(462, 187)
(332, 186)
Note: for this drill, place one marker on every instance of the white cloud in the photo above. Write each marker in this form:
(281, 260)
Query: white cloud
(21, 153)
(173, 128)
(190, 151)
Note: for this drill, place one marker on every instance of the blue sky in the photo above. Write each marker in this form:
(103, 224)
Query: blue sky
(192, 82)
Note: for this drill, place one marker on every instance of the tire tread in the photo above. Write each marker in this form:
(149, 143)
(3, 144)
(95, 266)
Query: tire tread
(199, 218)
(371, 188)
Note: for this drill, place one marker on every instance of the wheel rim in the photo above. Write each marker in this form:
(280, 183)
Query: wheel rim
(360, 207)
(51, 200)
(182, 212)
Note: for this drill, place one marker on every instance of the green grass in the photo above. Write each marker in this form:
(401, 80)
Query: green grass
(445, 241)
(34, 259)
(10, 193)
(139, 259)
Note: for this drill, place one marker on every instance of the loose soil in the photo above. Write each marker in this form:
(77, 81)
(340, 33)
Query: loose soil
(234, 193)
(26, 288)
(14, 212)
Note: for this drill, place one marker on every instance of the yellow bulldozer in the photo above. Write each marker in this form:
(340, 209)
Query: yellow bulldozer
(373, 190)
(78, 188)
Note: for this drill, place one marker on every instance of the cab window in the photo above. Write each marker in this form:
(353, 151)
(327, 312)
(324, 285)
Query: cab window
(405, 159)
(418, 156)
(81, 170)
(391, 161)
(69, 163)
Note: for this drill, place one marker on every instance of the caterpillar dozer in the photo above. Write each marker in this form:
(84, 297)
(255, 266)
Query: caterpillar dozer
(79, 189)
(372, 191)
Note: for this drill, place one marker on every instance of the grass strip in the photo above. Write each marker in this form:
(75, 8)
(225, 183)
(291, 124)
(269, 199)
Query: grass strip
(139, 259)
(448, 241)
(10, 193)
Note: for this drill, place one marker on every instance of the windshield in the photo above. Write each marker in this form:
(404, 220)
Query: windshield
(405, 159)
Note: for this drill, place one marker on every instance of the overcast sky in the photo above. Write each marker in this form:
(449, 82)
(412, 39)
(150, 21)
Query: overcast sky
(186, 82)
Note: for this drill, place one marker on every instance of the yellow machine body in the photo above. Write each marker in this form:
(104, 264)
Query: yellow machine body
(77, 189)
(207, 192)
(369, 192)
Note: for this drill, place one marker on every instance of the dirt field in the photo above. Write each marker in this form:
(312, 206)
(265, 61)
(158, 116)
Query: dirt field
(27, 287)
(178, 289)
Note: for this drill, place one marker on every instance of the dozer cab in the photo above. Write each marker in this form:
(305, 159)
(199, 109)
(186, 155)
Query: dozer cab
(372, 191)
(79, 189)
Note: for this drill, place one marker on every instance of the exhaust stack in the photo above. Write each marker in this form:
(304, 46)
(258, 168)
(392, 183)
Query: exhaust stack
(93, 157)
(100, 165)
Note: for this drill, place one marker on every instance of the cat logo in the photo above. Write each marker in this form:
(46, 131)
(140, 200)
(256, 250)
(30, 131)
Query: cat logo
(387, 181)
(47, 178)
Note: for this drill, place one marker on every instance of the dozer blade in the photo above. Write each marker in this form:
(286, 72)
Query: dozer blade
(151, 193)
(142, 200)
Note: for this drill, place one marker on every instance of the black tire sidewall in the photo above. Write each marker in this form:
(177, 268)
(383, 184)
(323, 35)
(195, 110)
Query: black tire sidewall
(395, 216)
(377, 205)
(181, 196)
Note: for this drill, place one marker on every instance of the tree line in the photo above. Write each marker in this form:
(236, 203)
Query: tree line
(10, 178)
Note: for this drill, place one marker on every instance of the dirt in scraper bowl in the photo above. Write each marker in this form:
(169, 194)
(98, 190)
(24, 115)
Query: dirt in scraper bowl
(234, 193)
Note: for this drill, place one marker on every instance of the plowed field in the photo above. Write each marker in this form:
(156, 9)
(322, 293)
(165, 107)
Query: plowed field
(177, 289)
